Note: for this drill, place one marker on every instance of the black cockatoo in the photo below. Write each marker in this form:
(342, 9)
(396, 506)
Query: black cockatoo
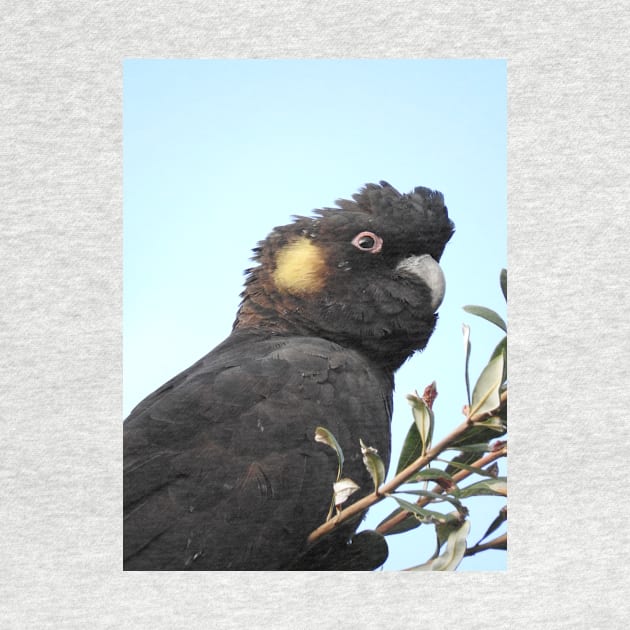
(221, 468)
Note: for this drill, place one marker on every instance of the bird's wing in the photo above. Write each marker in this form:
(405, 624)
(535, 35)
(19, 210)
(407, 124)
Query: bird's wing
(221, 467)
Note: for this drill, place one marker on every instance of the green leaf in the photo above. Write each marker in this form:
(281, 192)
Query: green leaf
(501, 348)
(422, 513)
(479, 447)
(409, 523)
(411, 450)
(467, 347)
(343, 489)
(374, 464)
(486, 392)
(494, 423)
(444, 530)
(501, 518)
(453, 553)
(431, 474)
(424, 419)
(503, 282)
(422, 567)
(495, 486)
(487, 314)
(326, 437)
(455, 550)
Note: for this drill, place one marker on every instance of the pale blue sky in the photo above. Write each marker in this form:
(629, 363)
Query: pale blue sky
(218, 152)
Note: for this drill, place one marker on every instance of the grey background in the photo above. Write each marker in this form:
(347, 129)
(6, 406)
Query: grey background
(60, 334)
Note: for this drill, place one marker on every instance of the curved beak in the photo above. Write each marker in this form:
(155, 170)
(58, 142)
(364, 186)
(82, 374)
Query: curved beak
(425, 268)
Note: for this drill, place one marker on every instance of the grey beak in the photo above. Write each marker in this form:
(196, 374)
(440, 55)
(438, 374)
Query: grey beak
(430, 272)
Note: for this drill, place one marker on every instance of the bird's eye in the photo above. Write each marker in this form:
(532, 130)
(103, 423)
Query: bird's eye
(368, 242)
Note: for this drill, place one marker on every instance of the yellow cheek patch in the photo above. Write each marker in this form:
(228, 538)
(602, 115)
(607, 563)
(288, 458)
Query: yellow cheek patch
(300, 267)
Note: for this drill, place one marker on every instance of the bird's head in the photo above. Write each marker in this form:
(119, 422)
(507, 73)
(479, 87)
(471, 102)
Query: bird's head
(364, 275)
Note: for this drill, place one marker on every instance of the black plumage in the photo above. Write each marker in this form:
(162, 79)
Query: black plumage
(221, 469)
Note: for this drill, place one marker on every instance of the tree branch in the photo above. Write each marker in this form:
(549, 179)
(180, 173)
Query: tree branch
(488, 458)
(402, 477)
(500, 543)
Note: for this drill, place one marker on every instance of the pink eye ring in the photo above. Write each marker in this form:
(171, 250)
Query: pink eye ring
(368, 242)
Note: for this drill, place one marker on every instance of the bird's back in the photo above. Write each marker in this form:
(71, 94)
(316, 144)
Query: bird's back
(222, 470)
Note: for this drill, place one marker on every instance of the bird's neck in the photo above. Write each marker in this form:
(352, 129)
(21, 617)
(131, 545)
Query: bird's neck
(261, 317)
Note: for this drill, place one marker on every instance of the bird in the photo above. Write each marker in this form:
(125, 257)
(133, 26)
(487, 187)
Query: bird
(221, 468)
